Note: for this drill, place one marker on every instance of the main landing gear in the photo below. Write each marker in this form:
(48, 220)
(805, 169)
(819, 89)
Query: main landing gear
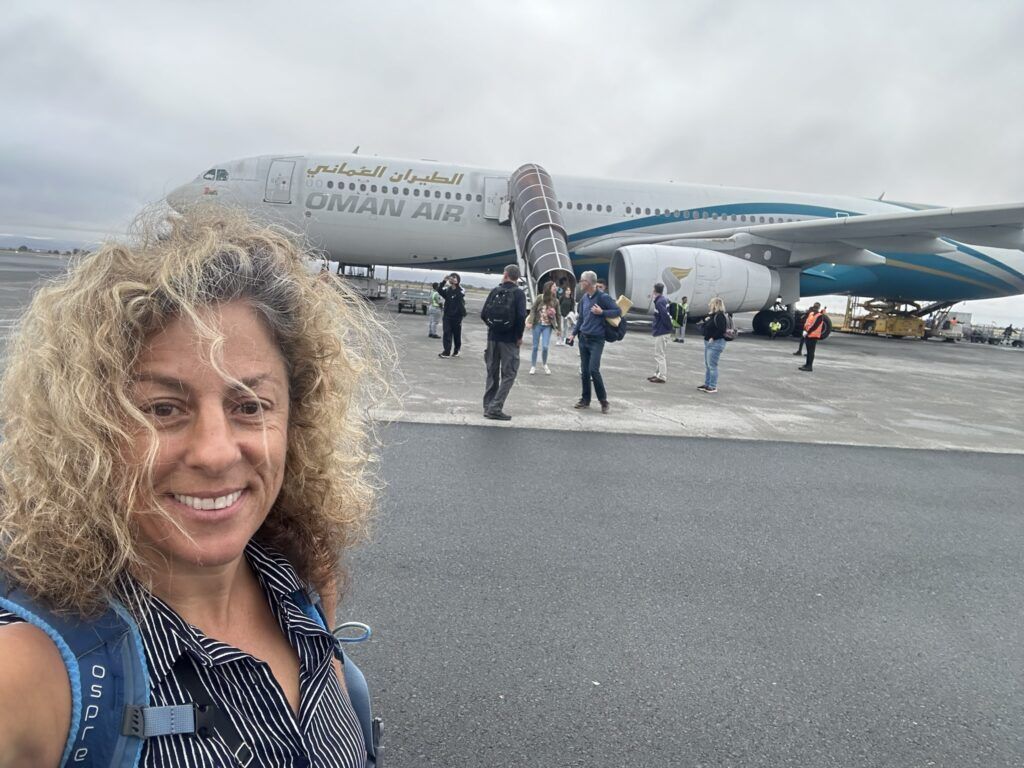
(766, 316)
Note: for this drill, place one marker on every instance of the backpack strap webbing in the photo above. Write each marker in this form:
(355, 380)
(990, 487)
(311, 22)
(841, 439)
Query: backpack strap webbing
(355, 681)
(205, 716)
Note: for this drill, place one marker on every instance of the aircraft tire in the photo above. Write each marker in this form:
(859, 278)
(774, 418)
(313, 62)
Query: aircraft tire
(760, 322)
(827, 330)
(788, 324)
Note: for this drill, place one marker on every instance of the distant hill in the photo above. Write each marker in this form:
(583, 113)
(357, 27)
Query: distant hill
(12, 242)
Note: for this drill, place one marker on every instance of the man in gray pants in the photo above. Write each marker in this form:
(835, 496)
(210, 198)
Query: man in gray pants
(504, 313)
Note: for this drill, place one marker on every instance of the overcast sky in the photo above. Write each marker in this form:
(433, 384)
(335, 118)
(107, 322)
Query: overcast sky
(108, 105)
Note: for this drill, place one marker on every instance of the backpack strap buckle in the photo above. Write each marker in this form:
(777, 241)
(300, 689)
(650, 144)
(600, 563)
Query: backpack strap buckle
(146, 722)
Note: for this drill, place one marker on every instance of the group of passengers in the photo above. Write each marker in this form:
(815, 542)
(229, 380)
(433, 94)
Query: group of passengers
(554, 313)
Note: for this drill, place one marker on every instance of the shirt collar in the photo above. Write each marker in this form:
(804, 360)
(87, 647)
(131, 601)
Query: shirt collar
(167, 636)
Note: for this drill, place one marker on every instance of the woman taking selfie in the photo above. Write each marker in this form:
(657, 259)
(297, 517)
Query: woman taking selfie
(185, 450)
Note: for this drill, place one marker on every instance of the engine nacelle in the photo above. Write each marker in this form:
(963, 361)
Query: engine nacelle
(692, 272)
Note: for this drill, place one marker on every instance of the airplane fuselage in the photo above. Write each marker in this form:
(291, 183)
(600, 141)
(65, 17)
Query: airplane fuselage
(372, 210)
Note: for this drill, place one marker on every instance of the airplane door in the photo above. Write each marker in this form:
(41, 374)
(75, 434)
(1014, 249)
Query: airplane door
(495, 190)
(279, 182)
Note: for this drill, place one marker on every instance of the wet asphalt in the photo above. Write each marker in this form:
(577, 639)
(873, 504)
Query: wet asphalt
(544, 598)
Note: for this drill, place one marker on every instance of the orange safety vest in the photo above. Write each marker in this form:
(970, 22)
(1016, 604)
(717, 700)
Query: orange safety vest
(812, 317)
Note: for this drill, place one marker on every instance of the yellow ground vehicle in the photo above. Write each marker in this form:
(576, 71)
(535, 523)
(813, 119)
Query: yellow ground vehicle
(879, 317)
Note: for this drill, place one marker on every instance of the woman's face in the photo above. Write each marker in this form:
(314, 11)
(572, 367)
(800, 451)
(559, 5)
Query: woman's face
(220, 450)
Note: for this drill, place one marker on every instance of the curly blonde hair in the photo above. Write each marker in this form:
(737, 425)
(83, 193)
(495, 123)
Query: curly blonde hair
(66, 489)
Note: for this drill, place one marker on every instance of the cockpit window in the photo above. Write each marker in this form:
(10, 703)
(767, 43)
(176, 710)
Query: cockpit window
(216, 174)
(222, 175)
(210, 174)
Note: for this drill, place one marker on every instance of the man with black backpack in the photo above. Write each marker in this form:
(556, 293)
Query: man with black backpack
(504, 313)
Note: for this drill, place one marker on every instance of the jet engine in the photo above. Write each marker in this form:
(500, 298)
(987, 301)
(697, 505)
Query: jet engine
(692, 272)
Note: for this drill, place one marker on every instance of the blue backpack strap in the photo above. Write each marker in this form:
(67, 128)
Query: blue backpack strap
(355, 681)
(107, 670)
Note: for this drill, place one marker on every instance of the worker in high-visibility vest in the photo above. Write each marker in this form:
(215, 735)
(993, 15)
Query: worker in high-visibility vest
(814, 327)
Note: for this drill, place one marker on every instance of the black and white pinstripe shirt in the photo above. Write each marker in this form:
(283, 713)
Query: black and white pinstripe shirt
(326, 730)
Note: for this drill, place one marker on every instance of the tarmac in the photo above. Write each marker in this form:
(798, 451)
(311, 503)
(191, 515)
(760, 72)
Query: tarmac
(868, 391)
(864, 390)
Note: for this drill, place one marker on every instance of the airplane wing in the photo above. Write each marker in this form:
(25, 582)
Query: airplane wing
(853, 239)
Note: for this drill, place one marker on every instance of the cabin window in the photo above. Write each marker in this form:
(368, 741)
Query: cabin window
(447, 195)
(479, 198)
(771, 219)
(405, 190)
(330, 185)
(598, 207)
(590, 207)
(373, 188)
(629, 209)
(416, 193)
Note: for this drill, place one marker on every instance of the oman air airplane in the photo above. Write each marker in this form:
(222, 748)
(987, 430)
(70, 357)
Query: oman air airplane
(760, 250)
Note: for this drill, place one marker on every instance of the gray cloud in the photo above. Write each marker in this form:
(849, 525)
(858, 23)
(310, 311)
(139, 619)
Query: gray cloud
(110, 104)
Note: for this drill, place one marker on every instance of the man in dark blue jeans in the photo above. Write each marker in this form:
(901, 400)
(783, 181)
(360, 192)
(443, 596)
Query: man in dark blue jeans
(595, 306)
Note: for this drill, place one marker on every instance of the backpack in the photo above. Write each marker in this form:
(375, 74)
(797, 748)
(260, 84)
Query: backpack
(673, 313)
(613, 333)
(110, 712)
(730, 329)
(499, 310)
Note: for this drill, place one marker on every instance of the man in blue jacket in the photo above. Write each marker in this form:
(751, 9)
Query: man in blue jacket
(661, 329)
(595, 306)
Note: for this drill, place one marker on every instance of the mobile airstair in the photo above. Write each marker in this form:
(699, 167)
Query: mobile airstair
(542, 250)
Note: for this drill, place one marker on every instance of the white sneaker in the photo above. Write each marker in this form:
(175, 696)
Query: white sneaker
(533, 369)
(547, 370)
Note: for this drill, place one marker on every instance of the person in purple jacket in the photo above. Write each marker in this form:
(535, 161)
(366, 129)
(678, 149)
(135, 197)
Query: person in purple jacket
(661, 329)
